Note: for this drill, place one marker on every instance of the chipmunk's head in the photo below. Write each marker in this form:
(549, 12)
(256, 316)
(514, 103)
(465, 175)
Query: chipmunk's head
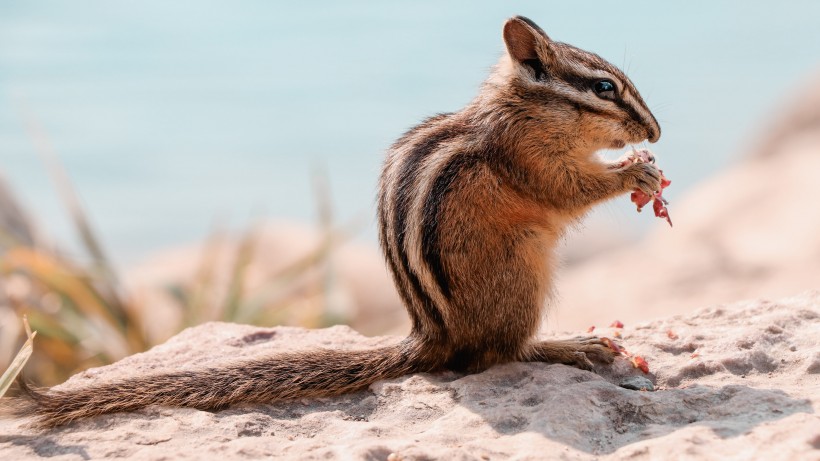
(578, 91)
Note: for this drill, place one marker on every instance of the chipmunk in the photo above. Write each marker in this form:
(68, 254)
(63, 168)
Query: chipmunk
(471, 207)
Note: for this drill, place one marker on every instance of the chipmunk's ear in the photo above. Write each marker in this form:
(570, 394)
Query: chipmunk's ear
(528, 44)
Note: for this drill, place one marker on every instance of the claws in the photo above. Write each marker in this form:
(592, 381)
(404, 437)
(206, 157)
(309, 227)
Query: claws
(601, 353)
(579, 352)
(647, 178)
(581, 361)
(593, 349)
(587, 339)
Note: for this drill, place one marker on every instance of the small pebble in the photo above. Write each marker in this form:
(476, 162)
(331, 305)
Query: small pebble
(637, 383)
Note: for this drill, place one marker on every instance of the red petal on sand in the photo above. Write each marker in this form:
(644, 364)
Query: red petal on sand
(616, 324)
(639, 363)
(591, 329)
(671, 334)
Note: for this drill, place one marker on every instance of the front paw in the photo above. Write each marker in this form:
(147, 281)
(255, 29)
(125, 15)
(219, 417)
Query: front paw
(645, 177)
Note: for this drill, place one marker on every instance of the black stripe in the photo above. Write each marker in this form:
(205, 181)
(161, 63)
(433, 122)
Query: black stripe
(548, 96)
(579, 82)
(630, 110)
(405, 190)
(582, 83)
(431, 242)
(426, 123)
(394, 269)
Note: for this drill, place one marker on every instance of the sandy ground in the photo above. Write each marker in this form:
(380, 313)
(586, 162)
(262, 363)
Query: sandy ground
(741, 381)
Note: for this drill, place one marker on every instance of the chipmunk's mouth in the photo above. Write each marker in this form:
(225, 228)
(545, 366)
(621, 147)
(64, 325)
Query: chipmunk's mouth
(633, 156)
(615, 164)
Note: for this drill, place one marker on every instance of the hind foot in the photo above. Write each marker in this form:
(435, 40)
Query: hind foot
(579, 353)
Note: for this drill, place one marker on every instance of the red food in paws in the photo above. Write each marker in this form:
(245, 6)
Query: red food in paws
(640, 198)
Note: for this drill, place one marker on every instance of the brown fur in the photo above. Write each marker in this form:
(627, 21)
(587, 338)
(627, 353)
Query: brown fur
(471, 207)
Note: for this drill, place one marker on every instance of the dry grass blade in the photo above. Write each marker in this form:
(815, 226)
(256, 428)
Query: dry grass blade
(198, 303)
(7, 239)
(15, 225)
(57, 278)
(236, 286)
(280, 289)
(102, 281)
(85, 311)
(45, 150)
(19, 360)
(321, 191)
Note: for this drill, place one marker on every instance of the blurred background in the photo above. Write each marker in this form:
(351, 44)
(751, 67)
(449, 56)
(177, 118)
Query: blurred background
(163, 164)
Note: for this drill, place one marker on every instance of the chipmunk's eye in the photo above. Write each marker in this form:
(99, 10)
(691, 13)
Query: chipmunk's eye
(604, 89)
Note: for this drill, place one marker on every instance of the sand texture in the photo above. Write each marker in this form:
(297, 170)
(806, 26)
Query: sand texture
(741, 381)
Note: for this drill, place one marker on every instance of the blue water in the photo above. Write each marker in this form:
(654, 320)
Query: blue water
(172, 115)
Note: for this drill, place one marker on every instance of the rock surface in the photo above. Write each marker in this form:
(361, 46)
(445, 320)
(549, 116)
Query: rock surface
(737, 381)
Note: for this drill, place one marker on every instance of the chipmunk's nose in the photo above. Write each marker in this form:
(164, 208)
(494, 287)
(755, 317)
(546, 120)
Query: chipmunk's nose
(653, 130)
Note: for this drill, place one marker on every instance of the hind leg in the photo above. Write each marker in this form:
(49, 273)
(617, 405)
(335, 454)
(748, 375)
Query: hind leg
(579, 353)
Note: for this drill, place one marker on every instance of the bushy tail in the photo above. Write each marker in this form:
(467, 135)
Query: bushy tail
(283, 376)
